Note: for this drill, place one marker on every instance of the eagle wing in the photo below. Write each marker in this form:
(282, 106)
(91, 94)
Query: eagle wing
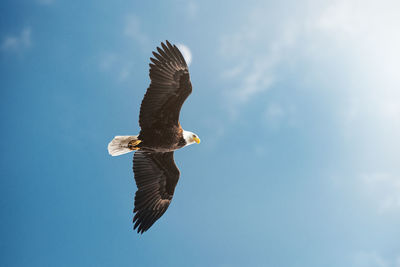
(156, 176)
(169, 87)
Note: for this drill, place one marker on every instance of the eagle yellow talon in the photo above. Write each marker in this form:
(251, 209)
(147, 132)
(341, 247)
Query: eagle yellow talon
(132, 144)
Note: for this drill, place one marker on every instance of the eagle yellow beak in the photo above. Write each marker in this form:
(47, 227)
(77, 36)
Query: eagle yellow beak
(197, 140)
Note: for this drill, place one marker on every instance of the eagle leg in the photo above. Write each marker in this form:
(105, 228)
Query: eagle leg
(132, 145)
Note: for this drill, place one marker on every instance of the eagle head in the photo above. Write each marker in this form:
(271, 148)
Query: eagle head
(190, 138)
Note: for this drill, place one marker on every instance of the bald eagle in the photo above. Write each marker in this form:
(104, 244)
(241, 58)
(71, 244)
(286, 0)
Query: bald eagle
(155, 172)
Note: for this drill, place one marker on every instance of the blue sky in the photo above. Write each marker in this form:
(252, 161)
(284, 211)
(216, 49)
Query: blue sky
(296, 104)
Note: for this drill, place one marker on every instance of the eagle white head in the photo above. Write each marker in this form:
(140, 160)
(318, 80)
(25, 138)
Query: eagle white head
(190, 138)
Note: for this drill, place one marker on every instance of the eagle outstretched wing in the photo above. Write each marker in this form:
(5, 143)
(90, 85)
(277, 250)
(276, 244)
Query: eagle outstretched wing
(170, 86)
(156, 176)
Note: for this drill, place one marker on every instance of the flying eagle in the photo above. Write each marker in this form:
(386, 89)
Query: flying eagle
(155, 172)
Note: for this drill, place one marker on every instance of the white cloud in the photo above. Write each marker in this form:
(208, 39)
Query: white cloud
(349, 52)
(340, 17)
(17, 43)
(374, 259)
(108, 61)
(367, 36)
(254, 53)
(133, 30)
(233, 72)
(191, 9)
(370, 40)
(274, 114)
(124, 74)
(117, 65)
(363, 37)
(259, 79)
(187, 8)
(371, 259)
(382, 190)
(277, 115)
(187, 54)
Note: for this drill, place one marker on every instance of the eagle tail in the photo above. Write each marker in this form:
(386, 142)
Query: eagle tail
(123, 144)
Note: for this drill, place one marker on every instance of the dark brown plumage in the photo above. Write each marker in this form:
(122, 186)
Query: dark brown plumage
(170, 86)
(156, 174)
(154, 168)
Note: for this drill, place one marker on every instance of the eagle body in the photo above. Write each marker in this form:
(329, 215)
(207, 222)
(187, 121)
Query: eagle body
(162, 139)
(155, 171)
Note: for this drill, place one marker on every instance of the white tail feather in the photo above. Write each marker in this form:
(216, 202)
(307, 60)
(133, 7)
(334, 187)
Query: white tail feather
(119, 145)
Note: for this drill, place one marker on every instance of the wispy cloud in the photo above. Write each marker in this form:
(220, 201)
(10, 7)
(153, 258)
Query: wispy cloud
(349, 53)
(108, 61)
(117, 65)
(254, 53)
(124, 73)
(191, 9)
(274, 114)
(366, 41)
(133, 29)
(17, 43)
(187, 8)
(374, 259)
(378, 192)
(120, 63)
(344, 34)
(383, 189)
